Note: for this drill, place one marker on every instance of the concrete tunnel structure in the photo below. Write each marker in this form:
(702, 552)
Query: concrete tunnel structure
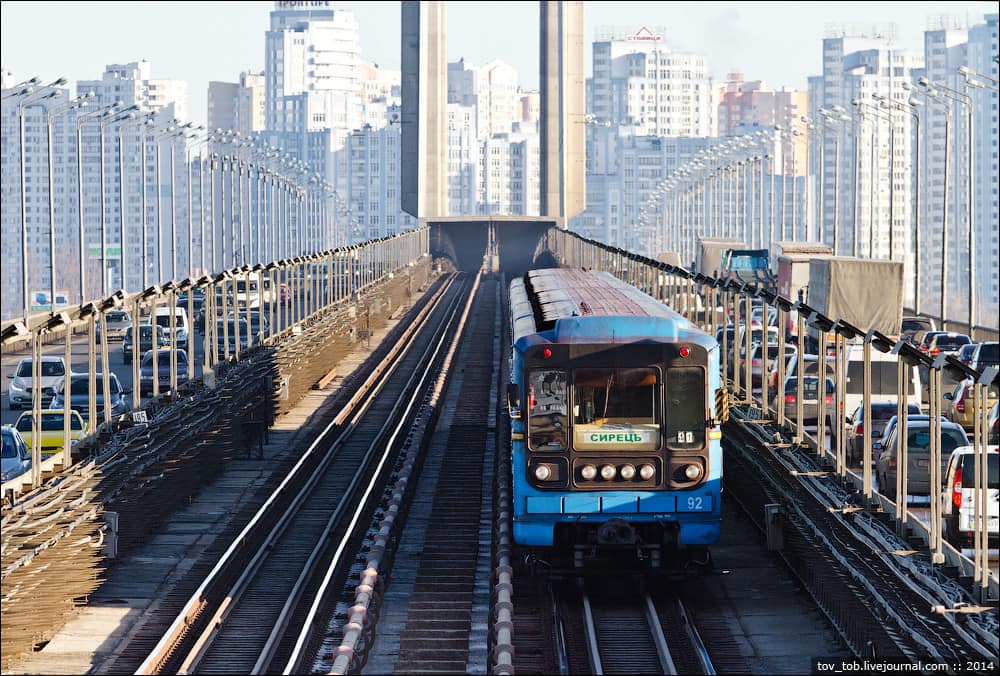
(464, 240)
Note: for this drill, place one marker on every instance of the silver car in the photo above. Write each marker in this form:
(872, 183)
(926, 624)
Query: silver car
(16, 454)
(19, 391)
(118, 322)
(917, 456)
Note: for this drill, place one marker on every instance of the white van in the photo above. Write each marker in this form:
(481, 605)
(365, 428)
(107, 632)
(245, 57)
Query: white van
(883, 379)
(247, 291)
(162, 318)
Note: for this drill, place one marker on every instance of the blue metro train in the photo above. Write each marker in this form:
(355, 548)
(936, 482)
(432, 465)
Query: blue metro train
(614, 438)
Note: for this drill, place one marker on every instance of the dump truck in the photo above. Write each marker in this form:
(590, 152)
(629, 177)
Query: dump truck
(867, 293)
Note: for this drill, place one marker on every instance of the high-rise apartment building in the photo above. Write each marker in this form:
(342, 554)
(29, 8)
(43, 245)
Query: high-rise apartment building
(463, 160)
(492, 89)
(237, 105)
(131, 84)
(638, 81)
(508, 180)
(876, 220)
(624, 170)
(982, 58)
(373, 208)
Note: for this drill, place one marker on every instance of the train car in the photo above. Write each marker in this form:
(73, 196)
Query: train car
(615, 441)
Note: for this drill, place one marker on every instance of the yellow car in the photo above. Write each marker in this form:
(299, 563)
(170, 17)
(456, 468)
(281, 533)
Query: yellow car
(52, 430)
(957, 405)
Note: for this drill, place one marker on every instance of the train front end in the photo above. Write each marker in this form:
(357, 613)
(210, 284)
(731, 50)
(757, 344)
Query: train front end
(614, 443)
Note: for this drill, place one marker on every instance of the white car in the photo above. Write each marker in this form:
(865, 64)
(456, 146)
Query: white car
(957, 498)
(20, 389)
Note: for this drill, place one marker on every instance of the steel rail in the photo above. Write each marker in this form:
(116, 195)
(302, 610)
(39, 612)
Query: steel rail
(195, 605)
(289, 513)
(695, 639)
(335, 563)
(593, 652)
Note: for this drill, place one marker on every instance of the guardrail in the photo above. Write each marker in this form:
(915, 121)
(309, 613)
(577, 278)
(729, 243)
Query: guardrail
(302, 289)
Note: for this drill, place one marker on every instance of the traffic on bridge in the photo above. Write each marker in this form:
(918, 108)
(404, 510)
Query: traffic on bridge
(374, 370)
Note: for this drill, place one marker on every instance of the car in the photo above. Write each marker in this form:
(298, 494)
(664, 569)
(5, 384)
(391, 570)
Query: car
(19, 392)
(258, 323)
(884, 372)
(230, 329)
(917, 456)
(811, 362)
(923, 339)
(755, 336)
(198, 299)
(890, 425)
(965, 354)
(882, 412)
(986, 354)
(118, 322)
(163, 316)
(958, 403)
(756, 367)
(52, 429)
(810, 399)
(913, 325)
(993, 425)
(15, 457)
(163, 370)
(947, 343)
(958, 497)
(145, 341)
(79, 396)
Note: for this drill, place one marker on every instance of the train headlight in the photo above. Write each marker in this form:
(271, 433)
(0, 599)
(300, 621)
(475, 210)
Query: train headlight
(647, 472)
(588, 472)
(608, 472)
(692, 472)
(627, 472)
(542, 472)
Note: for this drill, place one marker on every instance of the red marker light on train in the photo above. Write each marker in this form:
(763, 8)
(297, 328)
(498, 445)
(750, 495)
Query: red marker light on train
(546, 353)
(685, 351)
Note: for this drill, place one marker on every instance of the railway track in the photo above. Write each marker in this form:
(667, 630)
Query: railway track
(604, 626)
(248, 615)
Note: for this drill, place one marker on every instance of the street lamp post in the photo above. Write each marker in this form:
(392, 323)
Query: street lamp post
(932, 102)
(50, 114)
(28, 100)
(965, 100)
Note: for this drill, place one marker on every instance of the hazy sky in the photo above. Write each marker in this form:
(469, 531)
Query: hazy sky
(779, 42)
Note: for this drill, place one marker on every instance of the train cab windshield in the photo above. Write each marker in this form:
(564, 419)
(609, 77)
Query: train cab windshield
(616, 408)
(547, 410)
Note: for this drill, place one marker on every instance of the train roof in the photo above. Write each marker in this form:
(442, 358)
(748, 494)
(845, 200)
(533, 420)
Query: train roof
(561, 293)
(542, 299)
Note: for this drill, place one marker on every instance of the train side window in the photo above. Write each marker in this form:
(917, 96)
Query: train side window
(685, 412)
(547, 425)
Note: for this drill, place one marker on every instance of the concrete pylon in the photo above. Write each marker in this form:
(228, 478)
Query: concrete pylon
(562, 108)
(424, 180)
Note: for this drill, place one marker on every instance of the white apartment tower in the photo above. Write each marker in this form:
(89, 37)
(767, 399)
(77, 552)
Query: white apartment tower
(638, 81)
(463, 160)
(373, 191)
(982, 58)
(508, 180)
(492, 89)
(131, 84)
(313, 52)
(237, 105)
(881, 212)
